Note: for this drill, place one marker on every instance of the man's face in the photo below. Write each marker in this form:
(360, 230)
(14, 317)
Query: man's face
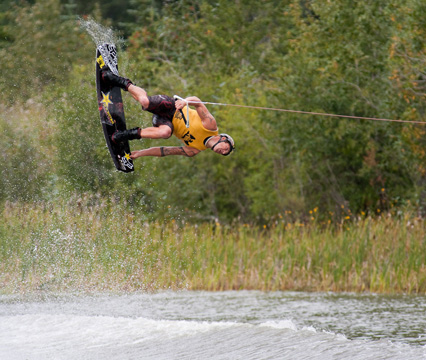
(222, 148)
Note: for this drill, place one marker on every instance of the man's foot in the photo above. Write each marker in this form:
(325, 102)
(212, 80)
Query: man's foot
(109, 77)
(125, 135)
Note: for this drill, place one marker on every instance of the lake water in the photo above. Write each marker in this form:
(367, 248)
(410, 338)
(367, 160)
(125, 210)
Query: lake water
(213, 325)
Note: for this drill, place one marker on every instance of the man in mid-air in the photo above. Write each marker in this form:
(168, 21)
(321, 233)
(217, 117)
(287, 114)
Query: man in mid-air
(169, 119)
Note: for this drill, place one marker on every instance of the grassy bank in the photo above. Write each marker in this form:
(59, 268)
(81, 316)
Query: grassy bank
(81, 247)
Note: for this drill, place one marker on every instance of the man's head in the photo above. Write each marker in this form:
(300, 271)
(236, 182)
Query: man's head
(224, 144)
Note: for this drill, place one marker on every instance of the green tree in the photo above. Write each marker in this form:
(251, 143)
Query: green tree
(220, 52)
(24, 167)
(407, 61)
(340, 57)
(338, 64)
(42, 52)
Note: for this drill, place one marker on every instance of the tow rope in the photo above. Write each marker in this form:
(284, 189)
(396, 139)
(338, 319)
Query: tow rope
(310, 113)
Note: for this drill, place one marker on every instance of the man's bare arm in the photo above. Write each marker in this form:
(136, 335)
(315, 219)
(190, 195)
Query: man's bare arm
(178, 150)
(208, 120)
(165, 151)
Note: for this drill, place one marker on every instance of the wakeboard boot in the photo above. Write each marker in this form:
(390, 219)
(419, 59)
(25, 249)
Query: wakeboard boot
(109, 77)
(125, 135)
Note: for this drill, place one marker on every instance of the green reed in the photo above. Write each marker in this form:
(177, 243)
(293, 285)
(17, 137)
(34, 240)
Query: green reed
(76, 246)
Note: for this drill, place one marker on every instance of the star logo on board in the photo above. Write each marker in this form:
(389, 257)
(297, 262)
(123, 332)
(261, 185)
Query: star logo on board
(106, 100)
(126, 161)
(104, 104)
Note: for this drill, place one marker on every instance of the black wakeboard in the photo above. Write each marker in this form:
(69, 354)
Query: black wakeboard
(111, 108)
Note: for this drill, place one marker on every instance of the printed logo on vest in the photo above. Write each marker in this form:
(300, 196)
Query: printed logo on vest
(188, 138)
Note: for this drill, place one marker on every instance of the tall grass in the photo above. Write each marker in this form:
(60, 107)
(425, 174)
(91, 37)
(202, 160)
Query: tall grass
(76, 247)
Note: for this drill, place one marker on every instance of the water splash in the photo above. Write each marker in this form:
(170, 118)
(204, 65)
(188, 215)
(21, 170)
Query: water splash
(102, 35)
(99, 33)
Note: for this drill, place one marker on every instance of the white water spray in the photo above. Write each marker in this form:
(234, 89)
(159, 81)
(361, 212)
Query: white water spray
(99, 33)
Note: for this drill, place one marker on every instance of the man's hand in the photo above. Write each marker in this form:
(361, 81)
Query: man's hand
(191, 100)
(180, 104)
(208, 120)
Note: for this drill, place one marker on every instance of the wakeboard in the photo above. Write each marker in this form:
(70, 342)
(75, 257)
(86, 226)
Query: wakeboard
(111, 108)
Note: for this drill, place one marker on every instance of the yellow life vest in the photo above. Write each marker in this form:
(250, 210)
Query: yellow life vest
(194, 136)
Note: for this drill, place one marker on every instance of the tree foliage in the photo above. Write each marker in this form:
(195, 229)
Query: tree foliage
(364, 59)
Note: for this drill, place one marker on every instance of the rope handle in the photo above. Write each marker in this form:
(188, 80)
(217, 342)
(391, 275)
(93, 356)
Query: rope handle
(176, 97)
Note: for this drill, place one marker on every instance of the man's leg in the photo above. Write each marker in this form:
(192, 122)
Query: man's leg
(157, 132)
(160, 103)
(160, 132)
(109, 77)
(139, 95)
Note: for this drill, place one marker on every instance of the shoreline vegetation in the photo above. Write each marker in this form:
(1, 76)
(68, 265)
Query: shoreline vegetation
(77, 247)
(71, 223)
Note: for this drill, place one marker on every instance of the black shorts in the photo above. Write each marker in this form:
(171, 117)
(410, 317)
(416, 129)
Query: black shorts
(163, 108)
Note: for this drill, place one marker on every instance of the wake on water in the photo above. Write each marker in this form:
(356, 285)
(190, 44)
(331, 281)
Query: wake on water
(200, 325)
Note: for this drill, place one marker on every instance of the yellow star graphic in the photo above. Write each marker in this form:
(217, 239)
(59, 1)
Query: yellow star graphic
(127, 156)
(106, 100)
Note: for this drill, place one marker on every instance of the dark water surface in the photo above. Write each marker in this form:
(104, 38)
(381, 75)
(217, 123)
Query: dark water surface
(204, 325)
